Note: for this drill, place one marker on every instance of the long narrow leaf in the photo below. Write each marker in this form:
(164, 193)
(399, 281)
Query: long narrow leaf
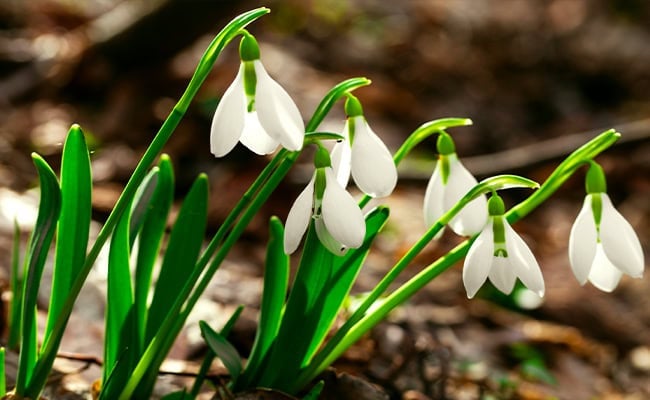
(223, 349)
(150, 239)
(120, 341)
(181, 255)
(276, 281)
(39, 245)
(74, 222)
(16, 285)
(209, 357)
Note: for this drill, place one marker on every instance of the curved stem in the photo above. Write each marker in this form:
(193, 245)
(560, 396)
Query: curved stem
(404, 292)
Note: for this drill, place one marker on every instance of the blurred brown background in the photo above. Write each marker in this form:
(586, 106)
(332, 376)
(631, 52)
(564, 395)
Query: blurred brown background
(536, 77)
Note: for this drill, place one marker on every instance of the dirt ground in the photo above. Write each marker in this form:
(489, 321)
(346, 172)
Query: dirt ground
(538, 78)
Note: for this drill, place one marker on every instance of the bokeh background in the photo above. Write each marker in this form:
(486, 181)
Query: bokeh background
(538, 78)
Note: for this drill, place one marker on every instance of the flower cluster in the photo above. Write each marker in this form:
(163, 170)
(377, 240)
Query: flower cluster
(256, 111)
(602, 244)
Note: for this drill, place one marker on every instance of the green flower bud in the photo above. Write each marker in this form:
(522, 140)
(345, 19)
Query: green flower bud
(322, 158)
(495, 206)
(445, 144)
(353, 107)
(249, 50)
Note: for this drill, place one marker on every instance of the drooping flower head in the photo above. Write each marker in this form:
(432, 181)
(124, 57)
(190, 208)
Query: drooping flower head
(338, 220)
(255, 110)
(449, 182)
(363, 154)
(500, 254)
(602, 244)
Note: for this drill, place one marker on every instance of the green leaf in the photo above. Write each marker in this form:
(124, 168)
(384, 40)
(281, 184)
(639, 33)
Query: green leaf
(223, 349)
(74, 222)
(3, 376)
(181, 255)
(39, 245)
(322, 283)
(16, 286)
(180, 395)
(150, 239)
(276, 281)
(120, 342)
(142, 203)
(209, 357)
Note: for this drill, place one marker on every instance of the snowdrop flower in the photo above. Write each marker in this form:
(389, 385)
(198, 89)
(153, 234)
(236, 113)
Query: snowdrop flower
(602, 244)
(338, 220)
(255, 110)
(449, 182)
(500, 254)
(363, 154)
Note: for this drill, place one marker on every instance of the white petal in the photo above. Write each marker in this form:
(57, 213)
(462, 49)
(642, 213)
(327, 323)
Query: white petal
(582, 242)
(620, 242)
(523, 261)
(373, 168)
(604, 275)
(502, 274)
(472, 217)
(327, 239)
(298, 218)
(228, 120)
(341, 162)
(433, 198)
(277, 112)
(341, 214)
(478, 261)
(255, 137)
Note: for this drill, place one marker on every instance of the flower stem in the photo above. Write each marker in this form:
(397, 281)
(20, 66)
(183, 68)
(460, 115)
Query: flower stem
(404, 292)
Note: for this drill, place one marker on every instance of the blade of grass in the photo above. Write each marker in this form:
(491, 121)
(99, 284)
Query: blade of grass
(120, 340)
(39, 245)
(223, 349)
(3, 375)
(150, 240)
(182, 253)
(16, 283)
(276, 282)
(210, 356)
(74, 222)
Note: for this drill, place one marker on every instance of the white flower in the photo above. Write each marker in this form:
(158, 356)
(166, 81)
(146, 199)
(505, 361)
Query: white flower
(502, 262)
(339, 222)
(260, 120)
(442, 195)
(367, 158)
(602, 252)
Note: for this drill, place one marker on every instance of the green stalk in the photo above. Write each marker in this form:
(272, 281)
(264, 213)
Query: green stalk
(50, 347)
(403, 293)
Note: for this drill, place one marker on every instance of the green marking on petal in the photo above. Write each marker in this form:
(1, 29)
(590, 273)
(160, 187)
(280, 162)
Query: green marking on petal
(320, 183)
(250, 81)
(597, 210)
(445, 169)
(499, 231)
(595, 181)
